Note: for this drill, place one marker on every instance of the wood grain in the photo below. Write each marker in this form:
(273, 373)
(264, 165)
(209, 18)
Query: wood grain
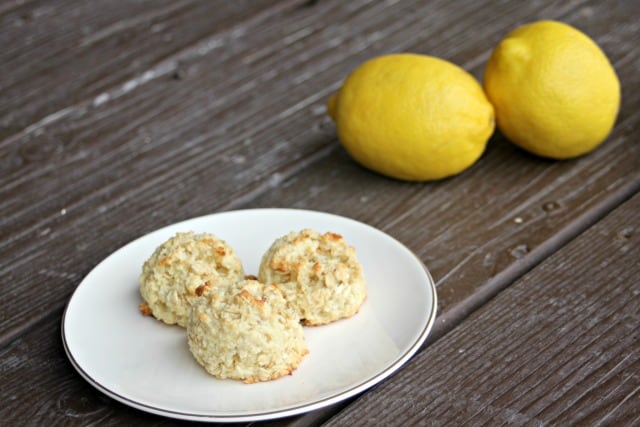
(56, 56)
(559, 347)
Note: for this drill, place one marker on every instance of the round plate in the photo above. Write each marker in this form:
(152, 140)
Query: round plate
(146, 364)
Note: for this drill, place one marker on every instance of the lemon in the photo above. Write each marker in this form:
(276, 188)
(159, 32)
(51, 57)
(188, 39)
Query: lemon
(554, 91)
(412, 117)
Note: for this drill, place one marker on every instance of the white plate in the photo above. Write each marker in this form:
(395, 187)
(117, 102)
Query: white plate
(147, 365)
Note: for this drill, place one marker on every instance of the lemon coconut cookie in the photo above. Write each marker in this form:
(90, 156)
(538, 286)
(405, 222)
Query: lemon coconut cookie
(319, 275)
(246, 332)
(182, 269)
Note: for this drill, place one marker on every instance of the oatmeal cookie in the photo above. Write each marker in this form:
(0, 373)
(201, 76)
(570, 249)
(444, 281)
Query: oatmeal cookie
(318, 274)
(246, 332)
(183, 267)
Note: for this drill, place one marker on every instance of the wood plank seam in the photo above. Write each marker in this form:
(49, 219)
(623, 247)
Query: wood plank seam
(575, 373)
(520, 267)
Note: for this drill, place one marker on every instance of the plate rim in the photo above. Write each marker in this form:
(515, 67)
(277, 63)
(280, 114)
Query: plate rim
(292, 410)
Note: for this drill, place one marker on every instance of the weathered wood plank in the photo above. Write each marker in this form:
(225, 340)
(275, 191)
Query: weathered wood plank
(55, 55)
(236, 122)
(559, 347)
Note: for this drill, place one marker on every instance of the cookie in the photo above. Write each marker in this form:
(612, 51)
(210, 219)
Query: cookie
(181, 269)
(246, 332)
(319, 275)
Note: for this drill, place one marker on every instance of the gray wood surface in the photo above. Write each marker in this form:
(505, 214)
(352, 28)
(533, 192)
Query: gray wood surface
(117, 118)
(62, 55)
(561, 346)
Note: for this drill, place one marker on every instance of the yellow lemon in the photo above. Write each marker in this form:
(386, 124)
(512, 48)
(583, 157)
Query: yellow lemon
(412, 117)
(554, 91)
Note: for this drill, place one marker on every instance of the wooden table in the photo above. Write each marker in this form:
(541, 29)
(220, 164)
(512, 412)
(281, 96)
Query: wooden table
(118, 118)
